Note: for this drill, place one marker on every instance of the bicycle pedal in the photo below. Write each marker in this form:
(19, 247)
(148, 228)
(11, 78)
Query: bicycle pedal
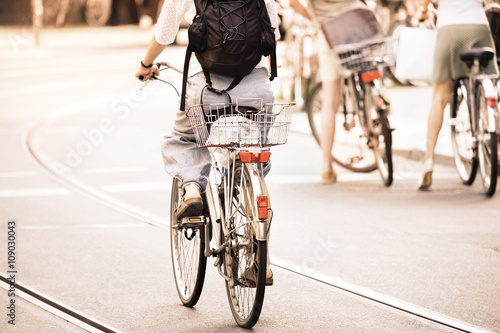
(249, 284)
(193, 221)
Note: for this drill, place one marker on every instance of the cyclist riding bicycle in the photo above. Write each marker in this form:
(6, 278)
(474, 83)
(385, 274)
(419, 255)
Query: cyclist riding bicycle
(461, 25)
(182, 158)
(322, 10)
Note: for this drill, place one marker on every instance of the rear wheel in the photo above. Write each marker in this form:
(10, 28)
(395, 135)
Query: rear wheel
(487, 148)
(245, 258)
(188, 260)
(464, 152)
(380, 137)
(350, 149)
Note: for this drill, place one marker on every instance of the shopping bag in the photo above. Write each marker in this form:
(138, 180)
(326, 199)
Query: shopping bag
(415, 54)
(351, 26)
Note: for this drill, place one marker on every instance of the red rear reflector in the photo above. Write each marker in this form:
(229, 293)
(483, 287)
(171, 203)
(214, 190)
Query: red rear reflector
(262, 205)
(248, 157)
(370, 76)
(492, 102)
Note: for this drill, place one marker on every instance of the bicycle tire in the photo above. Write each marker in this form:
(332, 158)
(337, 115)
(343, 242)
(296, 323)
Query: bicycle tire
(488, 143)
(245, 297)
(380, 137)
(187, 249)
(348, 141)
(464, 152)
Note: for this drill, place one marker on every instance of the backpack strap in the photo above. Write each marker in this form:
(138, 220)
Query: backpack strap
(274, 71)
(200, 8)
(233, 84)
(184, 78)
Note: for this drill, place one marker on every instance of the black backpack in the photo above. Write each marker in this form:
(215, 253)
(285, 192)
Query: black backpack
(229, 37)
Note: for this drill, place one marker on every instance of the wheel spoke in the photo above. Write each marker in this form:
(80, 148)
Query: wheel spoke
(188, 260)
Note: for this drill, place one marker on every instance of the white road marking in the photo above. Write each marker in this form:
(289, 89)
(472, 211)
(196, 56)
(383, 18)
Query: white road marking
(137, 187)
(14, 174)
(85, 226)
(21, 91)
(34, 192)
(113, 170)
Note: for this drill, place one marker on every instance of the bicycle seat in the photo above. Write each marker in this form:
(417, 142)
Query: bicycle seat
(483, 54)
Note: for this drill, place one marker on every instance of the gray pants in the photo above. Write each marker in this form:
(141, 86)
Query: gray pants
(181, 157)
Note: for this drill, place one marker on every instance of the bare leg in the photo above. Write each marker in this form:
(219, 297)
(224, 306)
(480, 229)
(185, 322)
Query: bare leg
(331, 102)
(440, 98)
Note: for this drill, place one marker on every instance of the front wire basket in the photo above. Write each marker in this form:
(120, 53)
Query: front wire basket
(367, 55)
(226, 125)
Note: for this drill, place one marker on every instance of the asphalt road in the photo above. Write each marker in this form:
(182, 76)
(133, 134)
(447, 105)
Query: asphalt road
(82, 177)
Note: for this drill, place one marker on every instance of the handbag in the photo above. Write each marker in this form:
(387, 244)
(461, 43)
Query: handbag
(415, 54)
(351, 26)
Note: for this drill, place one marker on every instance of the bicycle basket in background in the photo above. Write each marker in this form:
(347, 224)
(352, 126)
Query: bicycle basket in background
(366, 56)
(352, 26)
(223, 125)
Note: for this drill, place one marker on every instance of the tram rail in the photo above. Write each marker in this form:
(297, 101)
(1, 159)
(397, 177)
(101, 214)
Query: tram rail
(57, 308)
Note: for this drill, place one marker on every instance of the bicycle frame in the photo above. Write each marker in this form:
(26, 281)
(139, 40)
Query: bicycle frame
(357, 85)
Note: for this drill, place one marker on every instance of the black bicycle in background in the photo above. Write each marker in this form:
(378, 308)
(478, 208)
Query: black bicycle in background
(474, 121)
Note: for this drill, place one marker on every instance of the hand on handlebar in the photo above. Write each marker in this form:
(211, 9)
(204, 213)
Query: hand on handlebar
(143, 74)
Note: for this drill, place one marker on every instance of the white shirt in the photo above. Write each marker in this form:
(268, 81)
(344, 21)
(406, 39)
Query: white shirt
(452, 12)
(173, 11)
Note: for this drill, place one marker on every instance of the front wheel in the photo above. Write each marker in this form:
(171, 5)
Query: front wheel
(187, 248)
(380, 136)
(488, 142)
(462, 141)
(245, 259)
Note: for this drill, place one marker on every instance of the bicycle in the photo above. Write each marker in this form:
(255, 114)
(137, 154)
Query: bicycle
(363, 135)
(474, 122)
(300, 61)
(238, 214)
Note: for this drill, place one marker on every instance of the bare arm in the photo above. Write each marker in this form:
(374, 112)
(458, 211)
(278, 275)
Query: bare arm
(153, 51)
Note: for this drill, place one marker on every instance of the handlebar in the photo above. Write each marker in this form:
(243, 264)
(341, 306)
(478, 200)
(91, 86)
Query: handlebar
(169, 65)
(165, 64)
